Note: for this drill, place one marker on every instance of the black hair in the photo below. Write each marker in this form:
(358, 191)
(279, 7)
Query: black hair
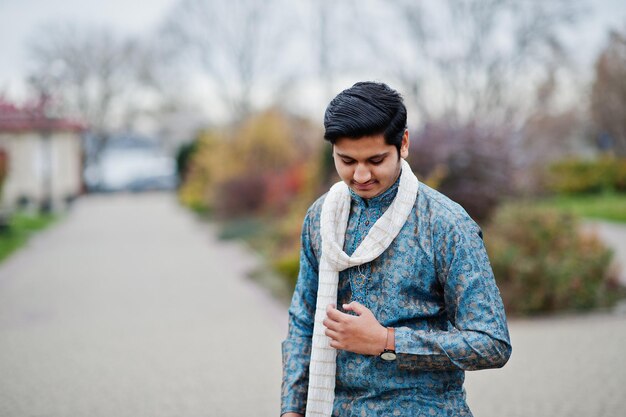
(366, 109)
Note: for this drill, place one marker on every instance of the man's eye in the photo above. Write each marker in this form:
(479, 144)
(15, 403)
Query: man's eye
(348, 161)
(376, 161)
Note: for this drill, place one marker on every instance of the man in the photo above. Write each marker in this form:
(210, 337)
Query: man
(405, 295)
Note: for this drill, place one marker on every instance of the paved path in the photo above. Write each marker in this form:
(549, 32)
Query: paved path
(560, 367)
(130, 308)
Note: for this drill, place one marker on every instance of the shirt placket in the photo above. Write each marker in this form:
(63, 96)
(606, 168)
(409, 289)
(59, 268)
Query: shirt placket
(359, 274)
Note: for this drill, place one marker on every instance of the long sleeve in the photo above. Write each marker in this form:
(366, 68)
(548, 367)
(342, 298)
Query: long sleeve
(477, 336)
(296, 349)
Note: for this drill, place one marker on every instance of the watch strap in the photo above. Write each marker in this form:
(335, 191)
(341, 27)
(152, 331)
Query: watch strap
(390, 343)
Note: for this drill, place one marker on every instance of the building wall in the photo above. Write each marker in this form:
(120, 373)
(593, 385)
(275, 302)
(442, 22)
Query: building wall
(31, 157)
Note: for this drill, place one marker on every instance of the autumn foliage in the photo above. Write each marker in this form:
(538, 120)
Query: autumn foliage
(259, 167)
(469, 163)
(258, 178)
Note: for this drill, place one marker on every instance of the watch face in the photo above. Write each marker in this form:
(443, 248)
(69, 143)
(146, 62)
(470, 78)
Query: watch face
(388, 356)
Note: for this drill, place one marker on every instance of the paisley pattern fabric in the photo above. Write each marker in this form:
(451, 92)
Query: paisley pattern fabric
(333, 224)
(433, 284)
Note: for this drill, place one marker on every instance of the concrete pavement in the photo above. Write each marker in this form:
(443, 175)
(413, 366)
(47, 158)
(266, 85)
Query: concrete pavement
(130, 307)
(560, 367)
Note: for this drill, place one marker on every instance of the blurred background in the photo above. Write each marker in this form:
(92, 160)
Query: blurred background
(130, 124)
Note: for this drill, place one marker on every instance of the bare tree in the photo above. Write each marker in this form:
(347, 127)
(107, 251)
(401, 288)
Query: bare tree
(608, 97)
(91, 73)
(338, 40)
(239, 44)
(469, 59)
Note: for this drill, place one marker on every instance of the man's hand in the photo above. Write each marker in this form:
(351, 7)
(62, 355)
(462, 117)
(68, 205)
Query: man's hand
(292, 415)
(359, 334)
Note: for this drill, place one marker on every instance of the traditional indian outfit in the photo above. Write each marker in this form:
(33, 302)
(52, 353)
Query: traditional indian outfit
(433, 284)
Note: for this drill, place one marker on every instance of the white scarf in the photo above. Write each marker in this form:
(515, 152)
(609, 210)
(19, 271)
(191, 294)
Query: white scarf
(334, 221)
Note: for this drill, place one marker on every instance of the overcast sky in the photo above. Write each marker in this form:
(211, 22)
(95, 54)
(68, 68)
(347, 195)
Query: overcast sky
(19, 18)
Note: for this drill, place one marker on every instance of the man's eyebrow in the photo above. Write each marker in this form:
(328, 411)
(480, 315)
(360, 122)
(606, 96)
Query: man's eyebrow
(380, 155)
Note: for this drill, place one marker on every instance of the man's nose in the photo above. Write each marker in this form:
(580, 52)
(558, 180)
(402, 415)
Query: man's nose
(362, 174)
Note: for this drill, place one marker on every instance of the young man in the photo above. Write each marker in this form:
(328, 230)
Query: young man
(395, 298)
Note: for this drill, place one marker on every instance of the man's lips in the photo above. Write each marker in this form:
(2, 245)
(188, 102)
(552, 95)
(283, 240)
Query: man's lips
(364, 186)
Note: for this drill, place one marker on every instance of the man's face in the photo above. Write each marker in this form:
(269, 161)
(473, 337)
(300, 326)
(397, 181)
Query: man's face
(368, 165)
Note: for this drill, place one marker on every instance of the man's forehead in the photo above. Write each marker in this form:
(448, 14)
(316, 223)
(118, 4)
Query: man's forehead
(364, 147)
(361, 154)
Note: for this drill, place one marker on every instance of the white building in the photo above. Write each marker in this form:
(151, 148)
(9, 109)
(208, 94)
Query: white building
(43, 157)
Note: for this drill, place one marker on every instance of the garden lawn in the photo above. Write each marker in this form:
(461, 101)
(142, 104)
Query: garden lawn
(608, 206)
(21, 227)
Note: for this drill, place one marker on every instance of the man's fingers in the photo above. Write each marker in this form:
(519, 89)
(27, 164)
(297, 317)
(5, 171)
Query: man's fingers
(356, 307)
(330, 324)
(332, 334)
(334, 314)
(335, 344)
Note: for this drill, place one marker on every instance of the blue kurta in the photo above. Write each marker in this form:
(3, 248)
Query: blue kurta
(433, 284)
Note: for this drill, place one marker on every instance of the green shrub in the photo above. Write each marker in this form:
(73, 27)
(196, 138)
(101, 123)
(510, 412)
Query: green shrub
(244, 228)
(288, 266)
(543, 262)
(184, 155)
(620, 175)
(606, 206)
(576, 175)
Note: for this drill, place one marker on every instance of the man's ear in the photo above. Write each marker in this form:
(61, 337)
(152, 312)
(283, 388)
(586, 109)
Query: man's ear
(404, 148)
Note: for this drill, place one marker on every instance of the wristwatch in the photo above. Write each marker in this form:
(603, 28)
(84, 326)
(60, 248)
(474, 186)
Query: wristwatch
(389, 354)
